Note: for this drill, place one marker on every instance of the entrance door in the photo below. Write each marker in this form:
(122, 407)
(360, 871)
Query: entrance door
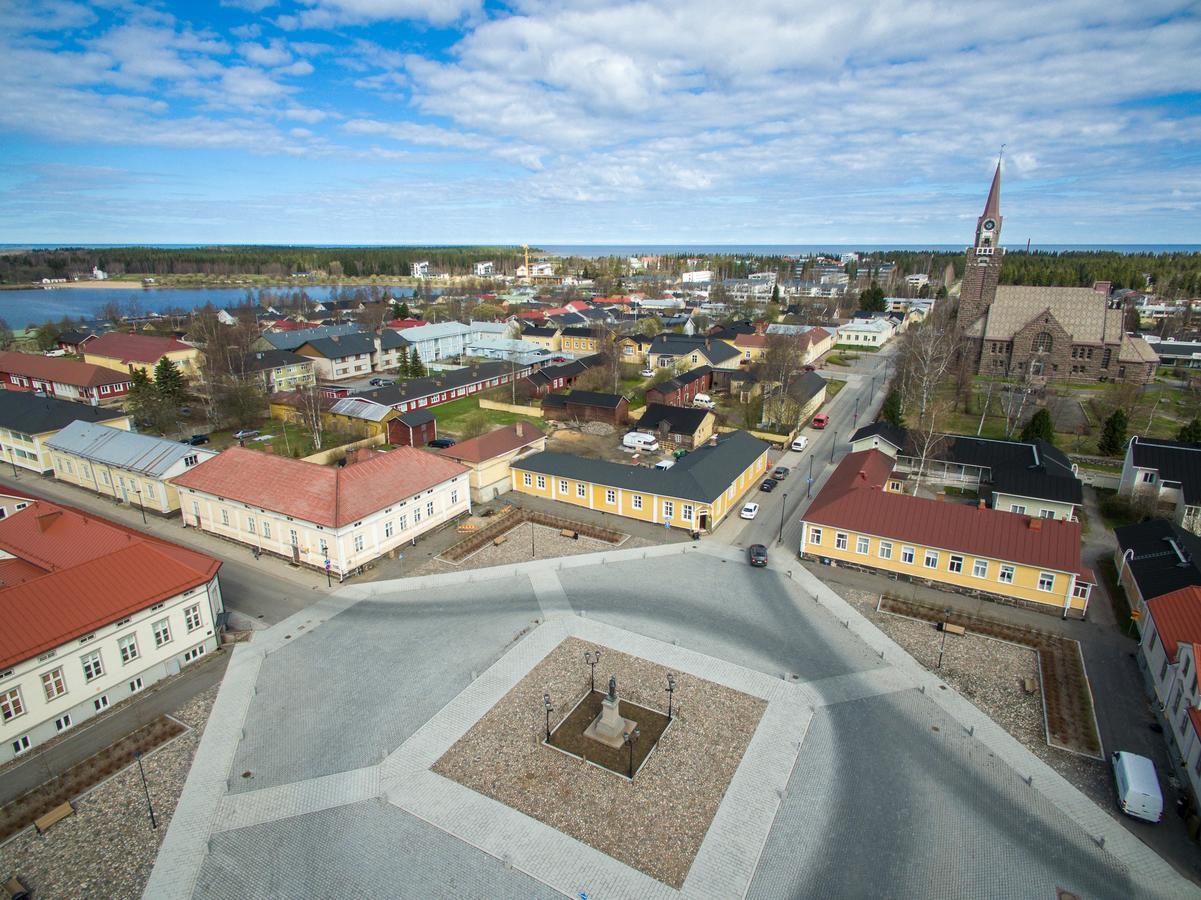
(121, 484)
(295, 546)
(703, 522)
(1036, 367)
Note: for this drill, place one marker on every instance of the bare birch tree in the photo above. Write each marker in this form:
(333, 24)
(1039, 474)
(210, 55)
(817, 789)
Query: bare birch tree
(309, 405)
(924, 365)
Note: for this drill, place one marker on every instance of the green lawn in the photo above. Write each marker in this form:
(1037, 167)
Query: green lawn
(833, 386)
(454, 415)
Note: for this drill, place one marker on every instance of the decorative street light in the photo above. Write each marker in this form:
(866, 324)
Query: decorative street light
(591, 658)
(833, 445)
(138, 491)
(629, 737)
(809, 483)
(671, 689)
(946, 612)
(138, 756)
(783, 505)
(549, 709)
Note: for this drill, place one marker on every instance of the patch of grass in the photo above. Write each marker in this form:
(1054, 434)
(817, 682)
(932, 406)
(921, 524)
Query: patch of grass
(833, 386)
(1117, 597)
(837, 359)
(453, 416)
(857, 348)
(1115, 511)
(953, 491)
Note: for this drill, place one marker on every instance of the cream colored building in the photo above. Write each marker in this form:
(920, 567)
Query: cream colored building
(489, 457)
(132, 468)
(27, 421)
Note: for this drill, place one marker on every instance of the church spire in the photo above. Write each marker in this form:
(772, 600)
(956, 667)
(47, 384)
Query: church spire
(988, 226)
(992, 209)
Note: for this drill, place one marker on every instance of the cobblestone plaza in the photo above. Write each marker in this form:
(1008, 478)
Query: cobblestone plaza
(865, 775)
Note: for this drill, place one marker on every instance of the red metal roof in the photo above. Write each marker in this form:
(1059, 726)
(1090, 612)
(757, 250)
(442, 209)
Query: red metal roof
(1194, 716)
(854, 499)
(1177, 618)
(135, 348)
(78, 572)
(325, 495)
(494, 443)
(64, 371)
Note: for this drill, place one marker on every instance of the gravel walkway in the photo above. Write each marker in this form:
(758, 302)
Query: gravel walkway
(107, 848)
(989, 673)
(548, 544)
(655, 823)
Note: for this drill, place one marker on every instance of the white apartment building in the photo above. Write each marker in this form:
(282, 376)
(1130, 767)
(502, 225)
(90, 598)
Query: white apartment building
(87, 625)
(326, 517)
(1166, 475)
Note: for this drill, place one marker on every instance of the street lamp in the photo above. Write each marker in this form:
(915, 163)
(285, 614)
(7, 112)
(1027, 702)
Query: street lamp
(138, 491)
(809, 483)
(549, 709)
(783, 506)
(833, 445)
(671, 689)
(946, 612)
(591, 658)
(138, 756)
(855, 418)
(629, 737)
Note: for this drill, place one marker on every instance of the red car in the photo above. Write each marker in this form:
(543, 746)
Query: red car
(820, 421)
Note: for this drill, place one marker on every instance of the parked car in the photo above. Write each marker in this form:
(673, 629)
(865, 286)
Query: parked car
(750, 511)
(769, 485)
(820, 421)
(703, 401)
(757, 555)
(441, 443)
(1137, 786)
(647, 373)
(376, 382)
(640, 441)
(810, 368)
(781, 473)
(800, 443)
(196, 440)
(246, 434)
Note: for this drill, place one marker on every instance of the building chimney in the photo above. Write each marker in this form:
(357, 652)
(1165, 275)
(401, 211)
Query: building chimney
(941, 496)
(518, 429)
(1035, 524)
(45, 520)
(980, 504)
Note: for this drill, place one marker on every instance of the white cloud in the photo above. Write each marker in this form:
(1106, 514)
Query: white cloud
(300, 67)
(274, 53)
(330, 13)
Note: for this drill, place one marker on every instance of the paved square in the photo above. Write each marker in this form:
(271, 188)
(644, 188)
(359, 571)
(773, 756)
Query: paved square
(865, 775)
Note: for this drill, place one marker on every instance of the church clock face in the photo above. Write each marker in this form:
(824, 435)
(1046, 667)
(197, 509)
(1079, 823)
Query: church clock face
(989, 224)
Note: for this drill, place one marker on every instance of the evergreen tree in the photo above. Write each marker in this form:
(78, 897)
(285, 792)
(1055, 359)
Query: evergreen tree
(406, 364)
(1190, 433)
(1113, 434)
(417, 369)
(872, 299)
(403, 312)
(1040, 427)
(891, 411)
(169, 383)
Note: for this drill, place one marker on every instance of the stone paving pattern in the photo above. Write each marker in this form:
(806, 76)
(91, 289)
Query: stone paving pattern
(901, 787)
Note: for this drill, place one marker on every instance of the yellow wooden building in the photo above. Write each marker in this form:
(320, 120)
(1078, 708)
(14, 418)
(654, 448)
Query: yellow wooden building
(696, 493)
(126, 352)
(860, 519)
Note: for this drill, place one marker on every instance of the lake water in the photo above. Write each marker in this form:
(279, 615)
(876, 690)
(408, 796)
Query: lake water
(32, 307)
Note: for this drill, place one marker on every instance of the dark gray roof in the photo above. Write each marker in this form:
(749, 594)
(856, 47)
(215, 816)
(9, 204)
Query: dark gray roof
(805, 388)
(290, 340)
(392, 394)
(680, 419)
(1173, 349)
(1163, 556)
(1174, 461)
(714, 350)
(416, 417)
(585, 398)
(886, 431)
(261, 360)
(338, 346)
(389, 339)
(539, 331)
(702, 475)
(27, 412)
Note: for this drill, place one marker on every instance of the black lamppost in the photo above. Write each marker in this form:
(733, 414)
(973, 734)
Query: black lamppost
(833, 445)
(629, 737)
(942, 648)
(809, 484)
(671, 689)
(591, 658)
(533, 553)
(549, 709)
(855, 418)
(138, 756)
(780, 540)
(142, 505)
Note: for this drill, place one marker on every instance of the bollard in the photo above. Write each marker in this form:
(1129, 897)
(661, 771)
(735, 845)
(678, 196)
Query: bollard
(1030, 780)
(971, 730)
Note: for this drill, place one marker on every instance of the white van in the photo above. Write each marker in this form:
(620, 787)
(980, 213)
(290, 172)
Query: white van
(665, 464)
(703, 401)
(1138, 786)
(643, 443)
(800, 443)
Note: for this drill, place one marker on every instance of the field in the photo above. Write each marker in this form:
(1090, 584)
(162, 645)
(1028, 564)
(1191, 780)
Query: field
(454, 416)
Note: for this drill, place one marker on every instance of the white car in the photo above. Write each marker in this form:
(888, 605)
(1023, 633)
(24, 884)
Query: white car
(647, 373)
(750, 511)
(800, 443)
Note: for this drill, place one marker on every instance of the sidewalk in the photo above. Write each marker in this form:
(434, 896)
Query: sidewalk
(94, 735)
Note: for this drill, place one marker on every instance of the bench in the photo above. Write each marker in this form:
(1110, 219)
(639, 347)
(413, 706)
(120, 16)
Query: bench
(1029, 685)
(15, 890)
(952, 628)
(496, 542)
(57, 814)
(568, 533)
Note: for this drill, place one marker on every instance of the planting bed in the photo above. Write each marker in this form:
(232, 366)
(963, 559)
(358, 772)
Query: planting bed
(568, 735)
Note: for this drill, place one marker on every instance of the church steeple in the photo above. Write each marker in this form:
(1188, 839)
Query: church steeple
(988, 226)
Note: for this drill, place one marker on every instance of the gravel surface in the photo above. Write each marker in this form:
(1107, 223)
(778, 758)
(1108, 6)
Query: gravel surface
(107, 848)
(989, 673)
(548, 544)
(657, 822)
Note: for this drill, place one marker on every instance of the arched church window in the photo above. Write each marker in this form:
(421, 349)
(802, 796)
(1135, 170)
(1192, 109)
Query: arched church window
(1042, 342)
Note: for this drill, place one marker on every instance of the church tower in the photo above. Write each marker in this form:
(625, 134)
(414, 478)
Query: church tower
(983, 270)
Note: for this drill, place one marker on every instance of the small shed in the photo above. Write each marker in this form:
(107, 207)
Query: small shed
(413, 429)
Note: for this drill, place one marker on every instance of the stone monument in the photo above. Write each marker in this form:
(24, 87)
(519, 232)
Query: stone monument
(609, 726)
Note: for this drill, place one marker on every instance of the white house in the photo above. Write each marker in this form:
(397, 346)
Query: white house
(865, 333)
(421, 269)
(1165, 475)
(484, 269)
(94, 613)
(313, 514)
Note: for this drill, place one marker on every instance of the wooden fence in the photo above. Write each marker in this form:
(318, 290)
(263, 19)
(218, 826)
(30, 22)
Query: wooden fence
(332, 455)
(520, 409)
(509, 521)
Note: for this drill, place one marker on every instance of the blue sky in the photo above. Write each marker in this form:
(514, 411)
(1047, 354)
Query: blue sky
(452, 121)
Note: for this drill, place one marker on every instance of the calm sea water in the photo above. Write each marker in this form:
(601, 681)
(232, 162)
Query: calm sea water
(32, 307)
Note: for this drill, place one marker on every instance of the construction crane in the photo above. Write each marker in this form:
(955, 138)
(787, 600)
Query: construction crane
(526, 249)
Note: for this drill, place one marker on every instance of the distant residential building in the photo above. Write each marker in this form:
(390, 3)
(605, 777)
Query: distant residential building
(93, 613)
(126, 352)
(557, 377)
(310, 513)
(701, 276)
(64, 379)
(421, 269)
(1167, 476)
(677, 426)
(28, 421)
(73, 340)
(918, 281)
(131, 468)
(865, 333)
(279, 370)
(683, 388)
(1182, 354)
(537, 270)
(586, 406)
(672, 350)
(442, 387)
(413, 429)
(490, 455)
(293, 338)
(1154, 558)
(484, 269)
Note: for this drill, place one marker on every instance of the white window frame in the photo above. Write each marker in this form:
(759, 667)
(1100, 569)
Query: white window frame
(93, 665)
(842, 540)
(955, 564)
(54, 683)
(581, 490)
(12, 706)
(162, 632)
(1007, 574)
(863, 546)
(527, 479)
(127, 647)
(192, 619)
(1047, 578)
(815, 535)
(541, 482)
(610, 496)
(885, 550)
(908, 555)
(637, 501)
(980, 568)
(930, 559)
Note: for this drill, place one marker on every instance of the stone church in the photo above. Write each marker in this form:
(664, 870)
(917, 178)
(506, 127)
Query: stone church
(1049, 333)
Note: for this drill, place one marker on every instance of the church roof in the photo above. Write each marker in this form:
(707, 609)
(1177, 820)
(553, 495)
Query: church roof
(992, 209)
(1135, 350)
(1081, 311)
